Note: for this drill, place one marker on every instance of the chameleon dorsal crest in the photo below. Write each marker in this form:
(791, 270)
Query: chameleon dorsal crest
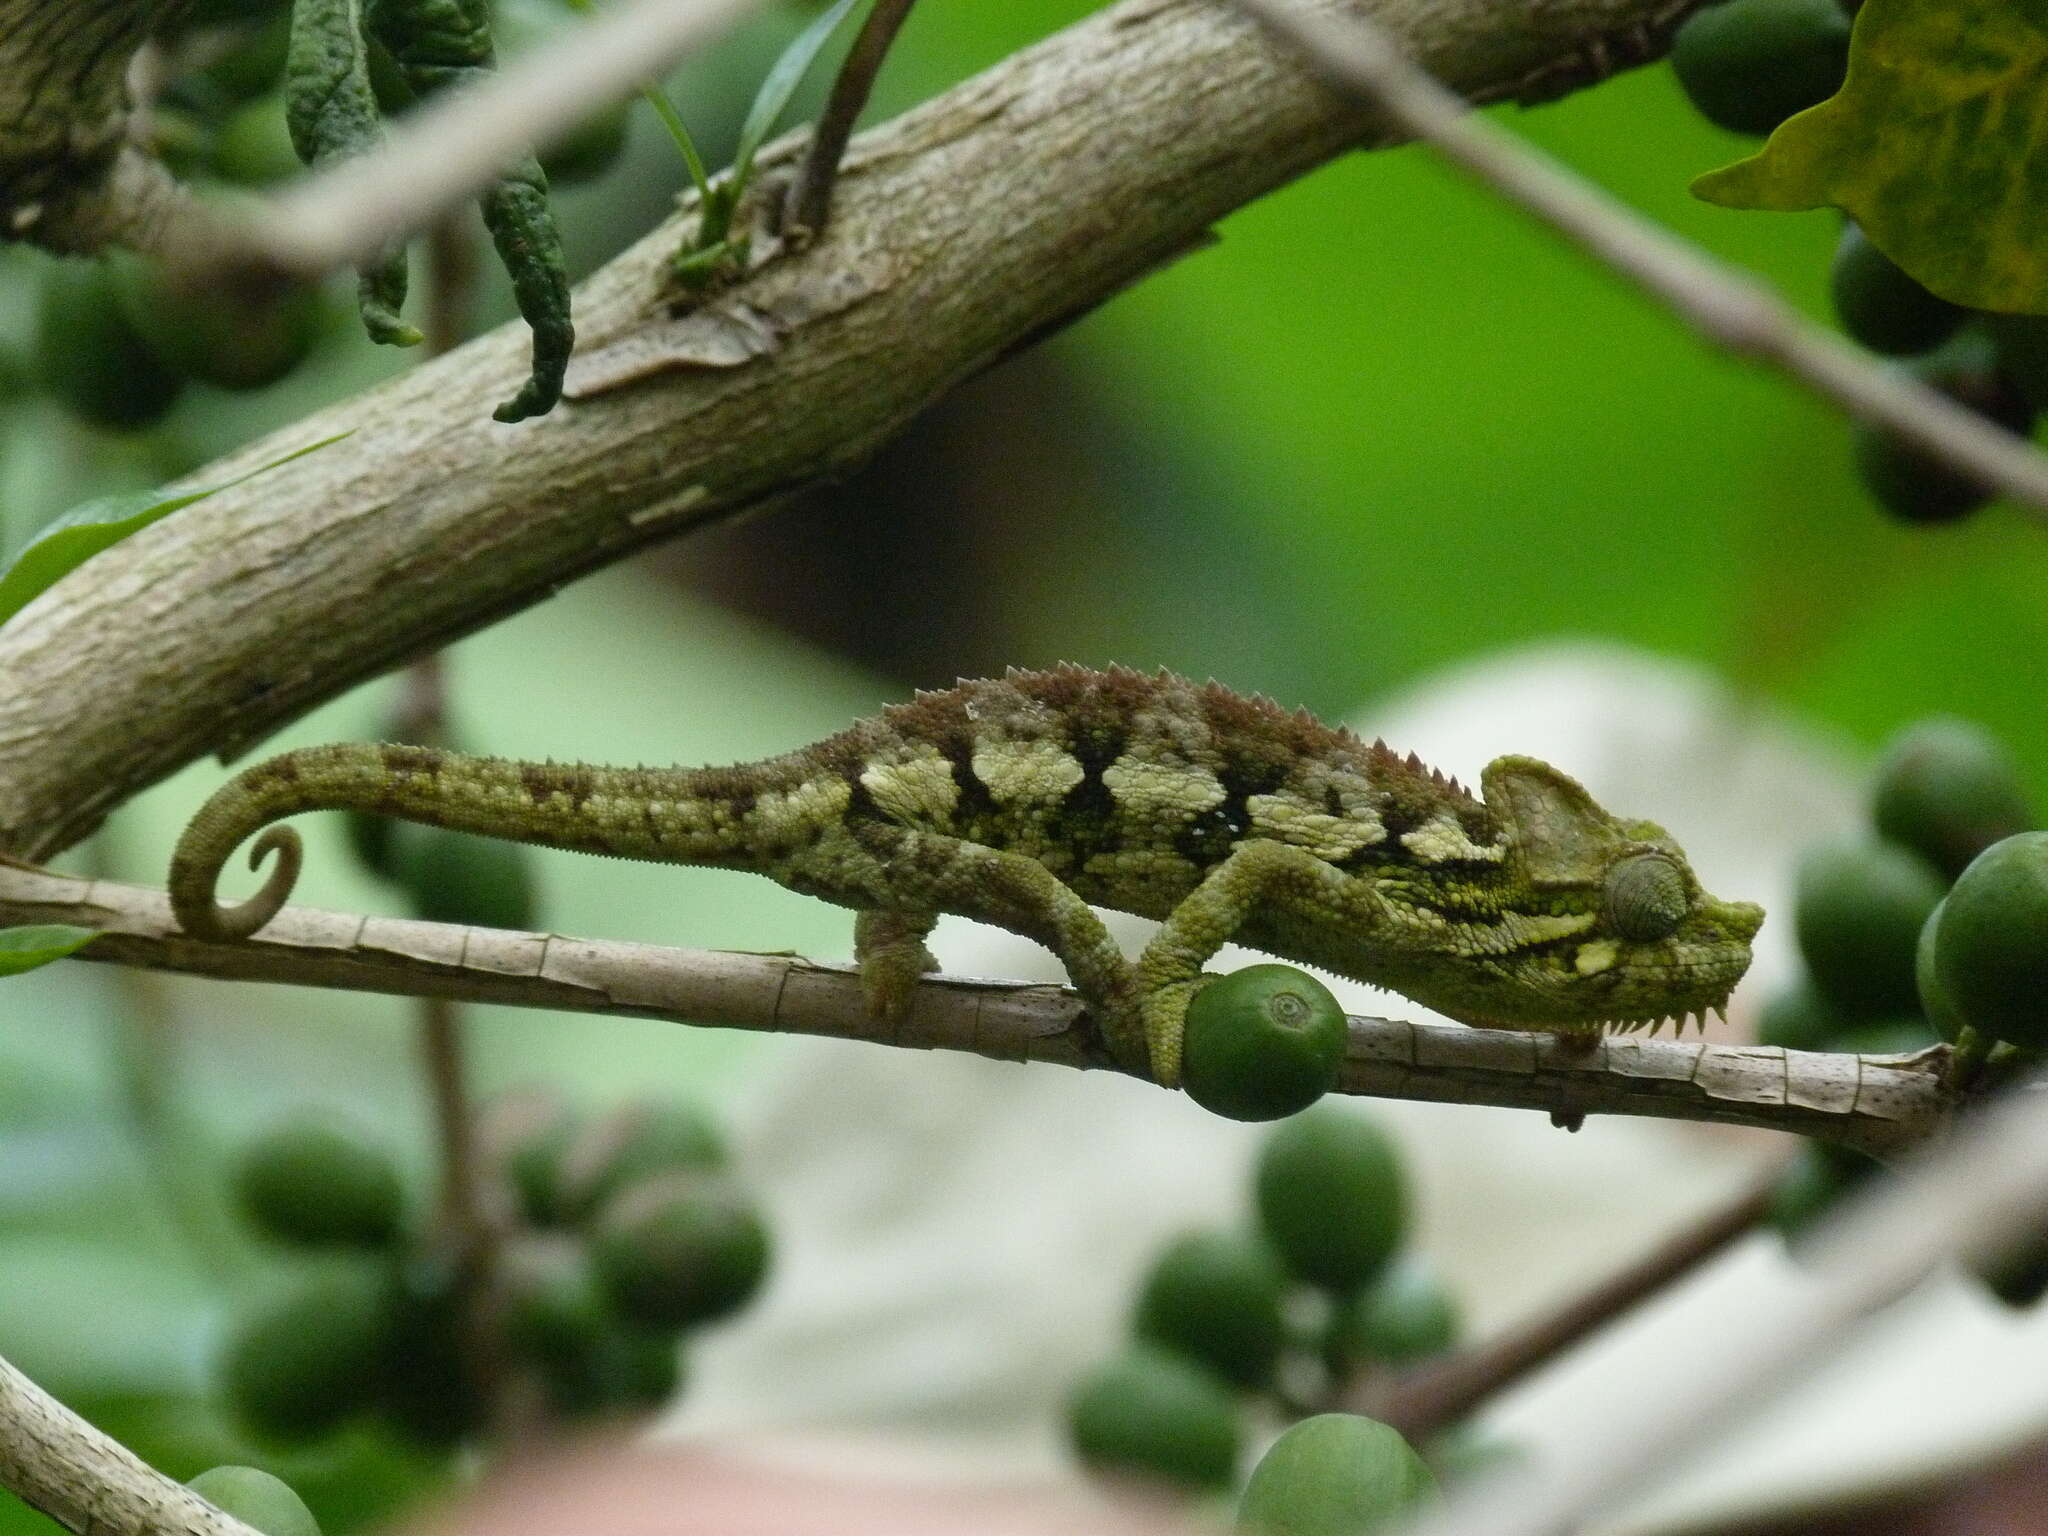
(1558, 834)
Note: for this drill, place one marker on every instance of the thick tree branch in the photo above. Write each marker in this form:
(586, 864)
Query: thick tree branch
(1876, 1104)
(961, 232)
(85, 1481)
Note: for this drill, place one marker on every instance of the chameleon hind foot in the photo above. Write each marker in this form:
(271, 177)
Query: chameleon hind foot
(890, 949)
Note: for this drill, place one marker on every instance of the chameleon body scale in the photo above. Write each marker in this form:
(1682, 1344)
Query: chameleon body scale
(1027, 801)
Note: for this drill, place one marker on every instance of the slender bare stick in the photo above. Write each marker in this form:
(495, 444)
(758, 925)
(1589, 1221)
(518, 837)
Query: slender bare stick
(810, 195)
(1433, 1396)
(1877, 1104)
(1357, 56)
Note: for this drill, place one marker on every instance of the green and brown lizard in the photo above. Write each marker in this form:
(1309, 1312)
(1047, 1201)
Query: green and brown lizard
(1029, 800)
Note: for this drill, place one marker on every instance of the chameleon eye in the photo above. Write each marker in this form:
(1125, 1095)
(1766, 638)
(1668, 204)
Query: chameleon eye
(1646, 897)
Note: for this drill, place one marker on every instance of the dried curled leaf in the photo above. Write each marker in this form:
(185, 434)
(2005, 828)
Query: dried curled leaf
(444, 43)
(1933, 145)
(331, 111)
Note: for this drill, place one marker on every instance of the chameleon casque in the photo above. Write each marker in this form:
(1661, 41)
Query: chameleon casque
(1025, 800)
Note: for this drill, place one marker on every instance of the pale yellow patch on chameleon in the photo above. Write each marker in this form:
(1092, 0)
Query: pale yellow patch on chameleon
(1596, 957)
(784, 816)
(918, 789)
(1153, 794)
(1285, 819)
(1026, 772)
(1441, 839)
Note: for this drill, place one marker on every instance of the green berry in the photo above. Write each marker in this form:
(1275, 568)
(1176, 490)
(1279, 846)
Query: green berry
(1857, 913)
(1262, 1043)
(230, 339)
(632, 1143)
(2018, 1276)
(1217, 1298)
(429, 1388)
(254, 146)
(1881, 306)
(257, 1499)
(1948, 789)
(1747, 65)
(634, 1371)
(1404, 1316)
(680, 1249)
(1912, 485)
(1331, 1197)
(557, 1311)
(1991, 949)
(1149, 1414)
(88, 356)
(454, 877)
(1336, 1474)
(526, 1135)
(2021, 343)
(306, 1359)
(1935, 1002)
(1799, 1020)
(1817, 1178)
(321, 1183)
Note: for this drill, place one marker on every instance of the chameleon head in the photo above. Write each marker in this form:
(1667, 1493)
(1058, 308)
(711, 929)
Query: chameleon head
(1605, 925)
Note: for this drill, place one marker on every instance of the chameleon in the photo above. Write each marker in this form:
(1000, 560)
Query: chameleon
(1030, 800)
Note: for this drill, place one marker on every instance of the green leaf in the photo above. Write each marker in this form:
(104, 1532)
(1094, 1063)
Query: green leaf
(772, 100)
(72, 539)
(1931, 145)
(23, 949)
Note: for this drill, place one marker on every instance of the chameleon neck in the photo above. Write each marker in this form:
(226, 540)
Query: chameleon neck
(683, 815)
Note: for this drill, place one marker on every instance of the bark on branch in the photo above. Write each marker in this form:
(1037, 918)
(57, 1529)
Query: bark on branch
(963, 231)
(1876, 1104)
(87, 1482)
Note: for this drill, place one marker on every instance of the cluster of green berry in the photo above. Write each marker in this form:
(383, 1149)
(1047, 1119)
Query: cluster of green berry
(1747, 65)
(1295, 1315)
(1934, 927)
(613, 1237)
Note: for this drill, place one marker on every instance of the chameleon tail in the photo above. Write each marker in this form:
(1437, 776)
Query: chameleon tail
(673, 815)
(204, 847)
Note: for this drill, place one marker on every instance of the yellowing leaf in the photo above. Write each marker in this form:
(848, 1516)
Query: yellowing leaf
(1937, 144)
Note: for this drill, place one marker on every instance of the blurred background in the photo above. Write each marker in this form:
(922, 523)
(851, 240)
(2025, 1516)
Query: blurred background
(1381, 441)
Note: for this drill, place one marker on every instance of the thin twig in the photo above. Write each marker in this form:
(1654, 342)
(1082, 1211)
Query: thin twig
(454, 146)
(1431, 1397)
(1874, 1104)
(1356, 56)
(452, 270)
(1990, 1181)
(809, 203)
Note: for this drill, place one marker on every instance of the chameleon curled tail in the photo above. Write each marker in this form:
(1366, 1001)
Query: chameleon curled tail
(561, 805)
